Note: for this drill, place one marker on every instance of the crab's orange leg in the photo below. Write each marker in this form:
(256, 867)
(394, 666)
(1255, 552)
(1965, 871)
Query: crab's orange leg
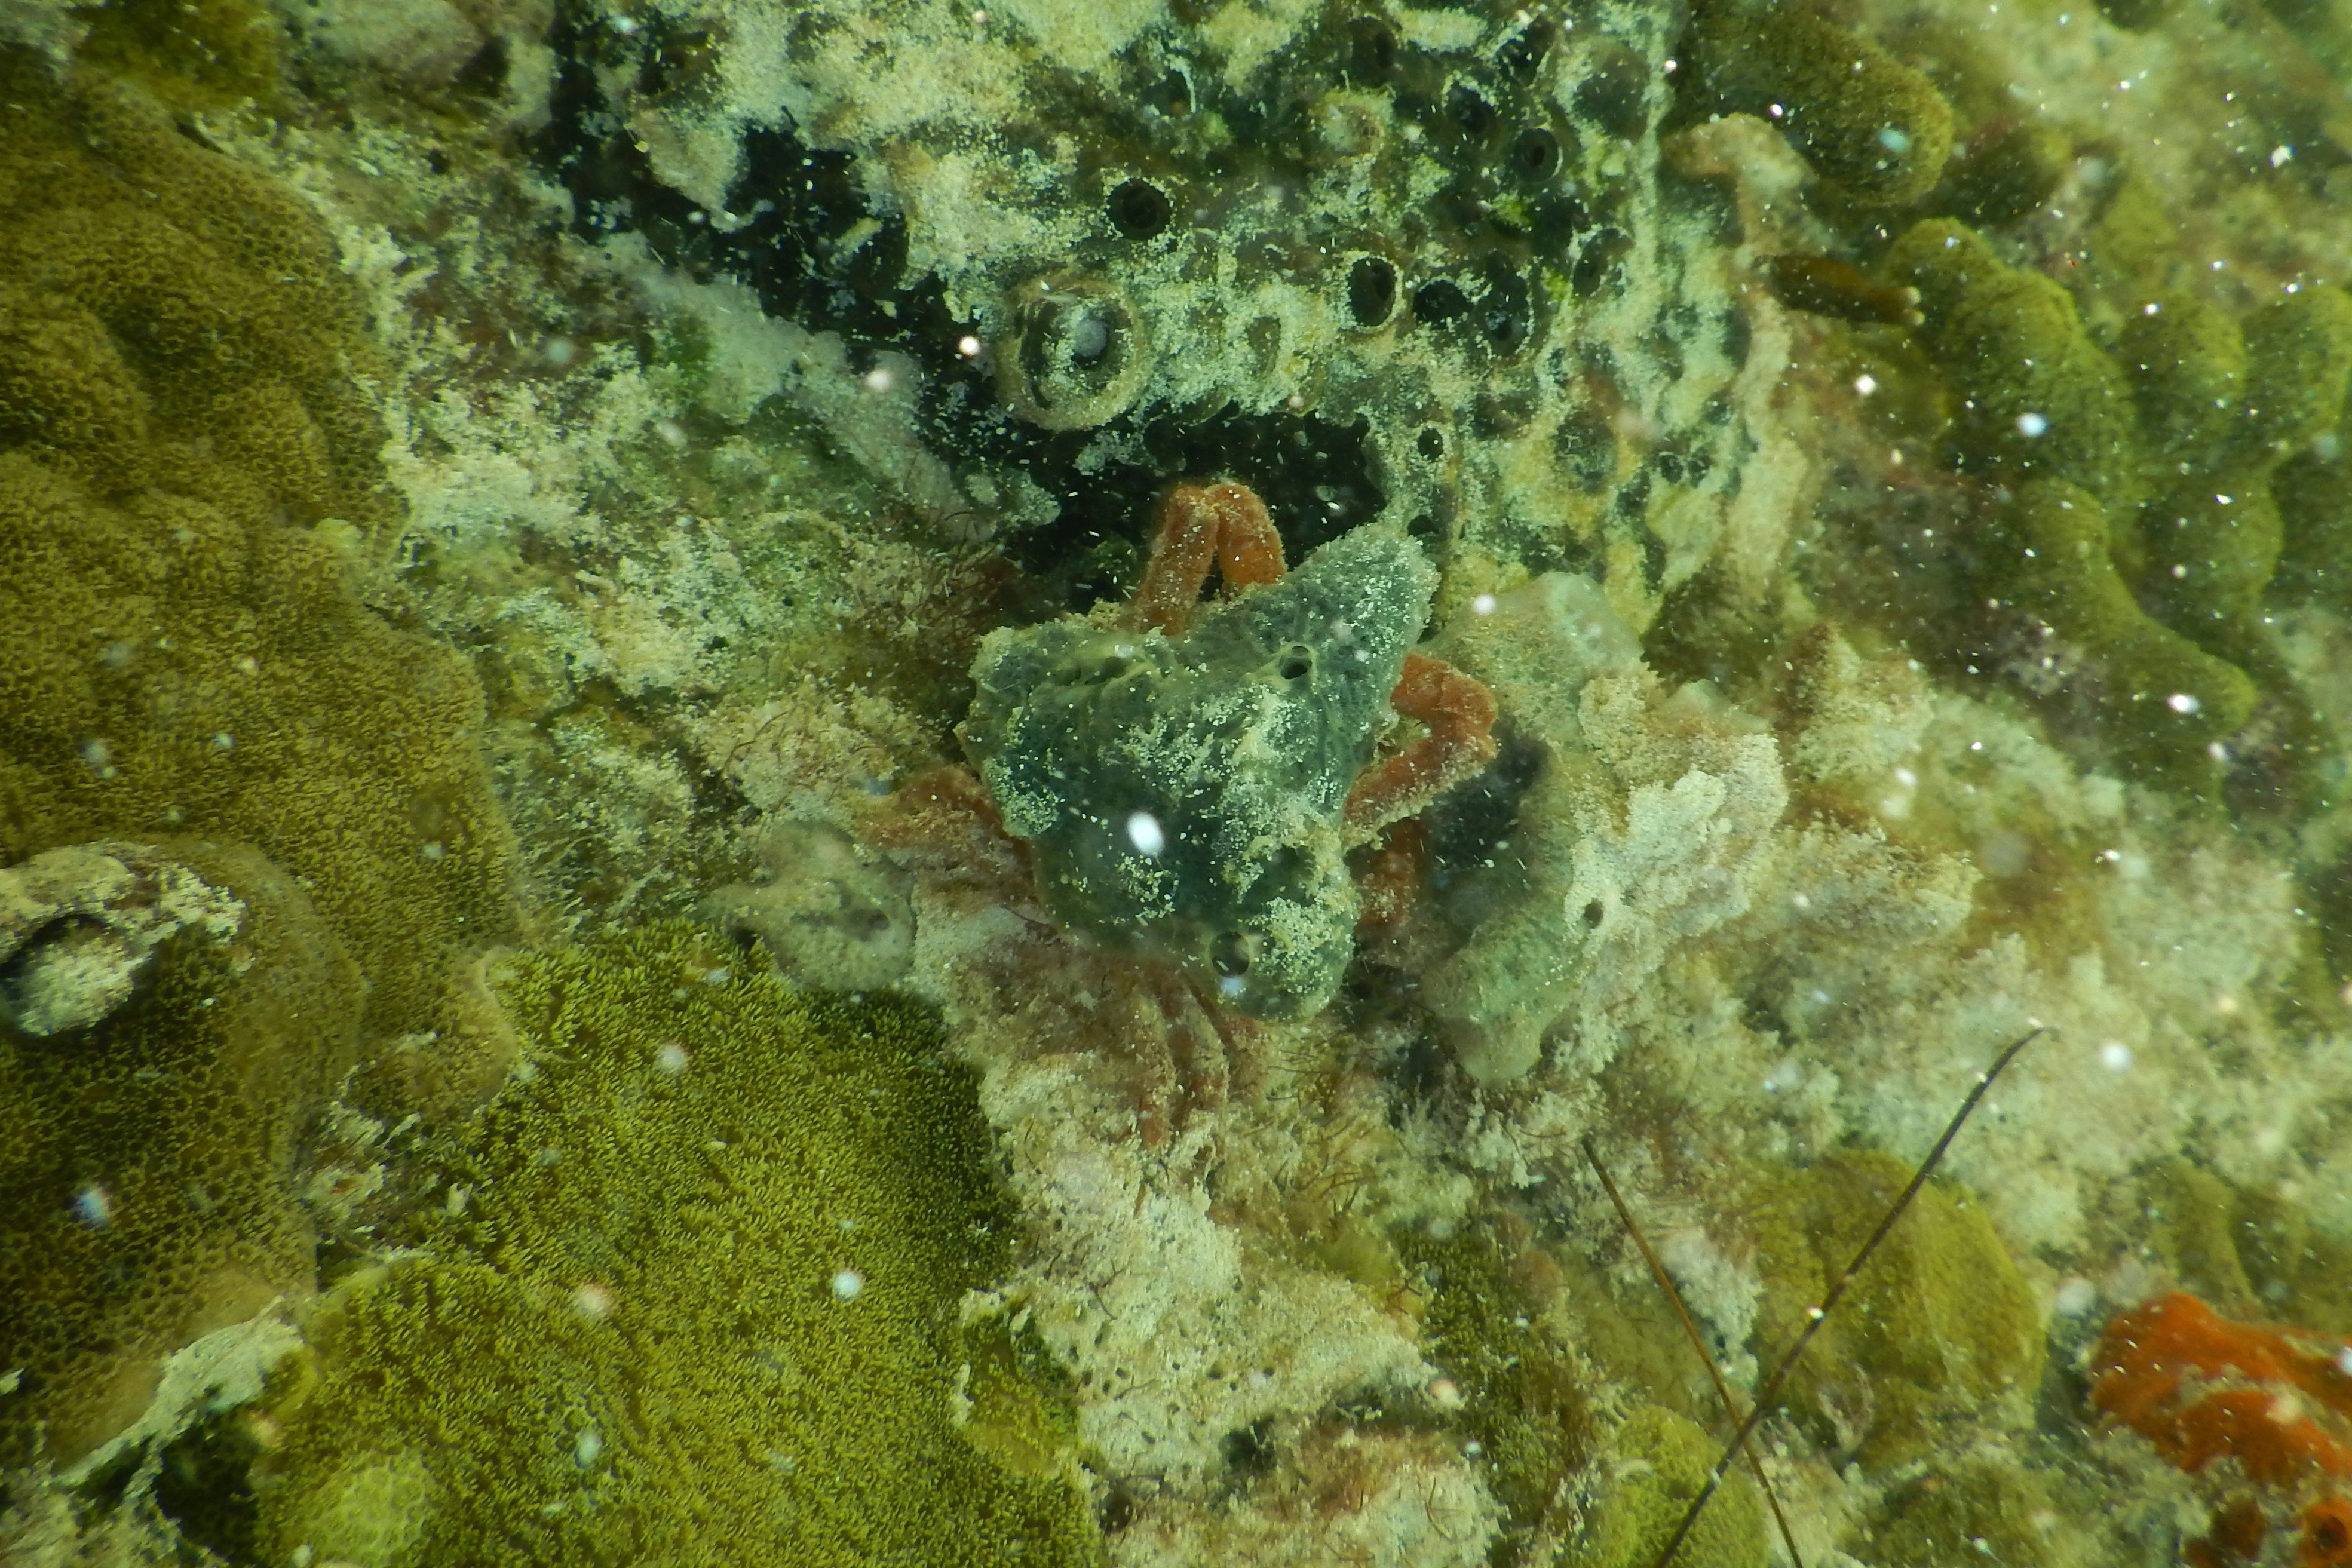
(1224, 526)
(1458, 713)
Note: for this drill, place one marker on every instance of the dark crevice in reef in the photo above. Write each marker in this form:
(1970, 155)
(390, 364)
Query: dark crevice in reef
(797, 249)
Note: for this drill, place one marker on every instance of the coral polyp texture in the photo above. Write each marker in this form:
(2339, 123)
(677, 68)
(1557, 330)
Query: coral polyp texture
(1265, 633)
(695, 1295)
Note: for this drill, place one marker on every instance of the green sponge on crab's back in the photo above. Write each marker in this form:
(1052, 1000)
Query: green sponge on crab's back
(692, 1296)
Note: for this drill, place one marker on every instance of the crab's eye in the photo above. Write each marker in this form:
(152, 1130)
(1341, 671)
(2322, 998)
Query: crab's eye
(1298, 661)
(1231, 952)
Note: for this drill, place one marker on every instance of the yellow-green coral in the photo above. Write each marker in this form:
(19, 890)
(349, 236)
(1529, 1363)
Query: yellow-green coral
(1861, 117)
(1651, 1468)
(1939, 1325)
(188, 480)
(146, 1179)
(2159, 692)
(2229, 402)
(2038, 398)
(690, 1294)
(2143, 530)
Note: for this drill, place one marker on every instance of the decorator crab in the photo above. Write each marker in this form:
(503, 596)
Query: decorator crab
(1184, 779)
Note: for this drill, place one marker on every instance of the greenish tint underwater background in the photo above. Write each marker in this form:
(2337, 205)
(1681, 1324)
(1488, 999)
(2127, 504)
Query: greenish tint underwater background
(587, 973)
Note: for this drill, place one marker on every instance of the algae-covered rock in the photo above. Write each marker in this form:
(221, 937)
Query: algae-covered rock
(1522, 1398)
(1183, 795)
(692, 1296)
(1649, 1469)
(172, 1018)
(2246, 1250)
(1975, 1510)
(1861, 117)
(1938, 1329)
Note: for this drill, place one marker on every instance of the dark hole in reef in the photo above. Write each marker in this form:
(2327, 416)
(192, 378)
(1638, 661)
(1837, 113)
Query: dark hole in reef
(1599, 262)
(1371, 49)
(1232, 952)
(1430, 443)
(1117, 1511)
(1594, 912)
(1298, 661)
(202, 1486)
(1139, 209)
(1371, 291)
(1171, 95)
(1616, 96)
(1535, 154)
(1472, 825)
(1555, 219)
(1507, 310)
(485, 74)
(1471, 111)
(1523, 52)
(1440, 300)
(1249, 1451)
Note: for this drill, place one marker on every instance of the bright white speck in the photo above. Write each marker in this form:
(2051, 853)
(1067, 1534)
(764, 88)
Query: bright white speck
(671, 1058)
(94, 1208)
(1802, 900)
(2032, 426)
(2151, 309)
(2344, 1360)
(586, 1446)
(1482, 605)
(880, 380)
(848, 1285)
(1776, 111)
(2181, 702)
(2116, 1056)
(2281, 156)
(1230, 986)
(1472, 1448)
(2217, 751)
(2076, 1296)
(968, 345)
(1445, 1393)
(1895, 139)
(1143, 833)
(591, 1300)
(1909, 779)
(1866, 385)
(624, 26)
(980, 18)
(671, 431)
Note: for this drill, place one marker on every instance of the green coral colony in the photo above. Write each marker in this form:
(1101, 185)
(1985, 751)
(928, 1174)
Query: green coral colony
(472, 483)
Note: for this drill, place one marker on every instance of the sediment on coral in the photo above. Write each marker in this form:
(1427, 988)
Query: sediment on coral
(176, 1018)
(193, 505)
